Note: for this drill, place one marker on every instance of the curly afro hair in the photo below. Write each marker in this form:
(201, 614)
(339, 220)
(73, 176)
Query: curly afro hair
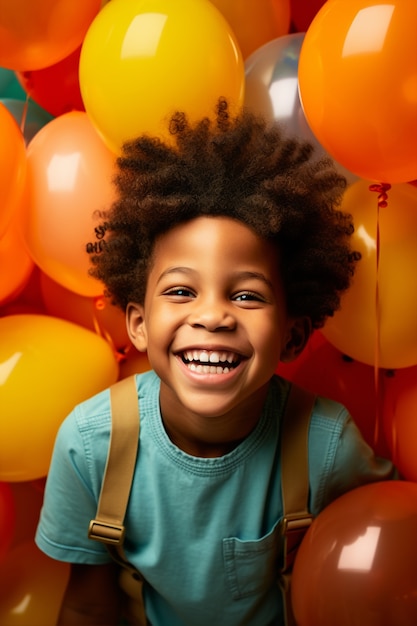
(242, 168)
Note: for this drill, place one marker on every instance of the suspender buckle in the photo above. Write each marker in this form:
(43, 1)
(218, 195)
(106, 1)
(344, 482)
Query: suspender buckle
(107, 533)
(296, 523)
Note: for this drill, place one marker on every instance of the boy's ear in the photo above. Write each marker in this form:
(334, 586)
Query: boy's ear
(136, 327)
(298, 334)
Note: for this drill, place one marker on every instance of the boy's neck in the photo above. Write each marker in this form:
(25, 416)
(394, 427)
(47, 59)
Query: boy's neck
(209, 437)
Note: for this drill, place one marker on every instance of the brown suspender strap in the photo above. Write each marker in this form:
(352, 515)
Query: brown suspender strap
(295, 482)
(117, 481)
(108, 525)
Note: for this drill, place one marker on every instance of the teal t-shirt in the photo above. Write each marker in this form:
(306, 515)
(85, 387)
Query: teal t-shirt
(204, 532)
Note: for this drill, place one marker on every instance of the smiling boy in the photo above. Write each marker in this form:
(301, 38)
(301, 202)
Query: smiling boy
(225, 249)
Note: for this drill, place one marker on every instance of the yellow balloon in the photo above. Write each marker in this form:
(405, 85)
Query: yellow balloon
(32, 587)
(47, 366)
(141, 60)
(376, 323)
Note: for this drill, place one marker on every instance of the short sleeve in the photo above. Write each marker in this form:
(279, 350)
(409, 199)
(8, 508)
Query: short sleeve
(341, 459)
(70, 500)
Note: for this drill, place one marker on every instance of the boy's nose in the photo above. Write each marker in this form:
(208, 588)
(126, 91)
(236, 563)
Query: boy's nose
(213, 316)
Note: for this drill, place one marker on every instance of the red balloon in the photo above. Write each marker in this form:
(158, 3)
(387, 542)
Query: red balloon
(7, 518)
(303, 12)
(357, 563)
(400, 422)
(55, 88)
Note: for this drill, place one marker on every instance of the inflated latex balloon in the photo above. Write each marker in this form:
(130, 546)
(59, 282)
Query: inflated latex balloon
(142, 60)
(16, 264)
(12, 167)
(96, 314)
(400, 422)
(358, 86)
(47, 366)
(7, 518)
(32, 587)
(70, 173)
(376, 323)
(38, 33)
(134, 363)
(28, 499)
(271, 17)
(271, 88)
(303, 12)
(356, 565)
(55, 88)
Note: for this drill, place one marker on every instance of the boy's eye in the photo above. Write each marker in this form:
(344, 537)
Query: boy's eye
(248, 296)
(179, 292)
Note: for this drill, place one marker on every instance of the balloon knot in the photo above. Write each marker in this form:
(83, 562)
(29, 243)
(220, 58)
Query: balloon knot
(381, 189)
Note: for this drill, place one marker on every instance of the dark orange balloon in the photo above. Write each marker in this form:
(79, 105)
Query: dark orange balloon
(358, 86)
(32, 587)
(14, 256)
(357, 563)
(255, 22)
(97, 314)
(38, 33)
(12, 167)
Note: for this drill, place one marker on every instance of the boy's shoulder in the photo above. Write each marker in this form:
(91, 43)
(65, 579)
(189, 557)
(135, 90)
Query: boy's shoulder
(95, 411)
(326, 413)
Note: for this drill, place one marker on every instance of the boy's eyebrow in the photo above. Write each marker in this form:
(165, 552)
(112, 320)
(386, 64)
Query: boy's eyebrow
(256, 275)
(244, 275)
(175, 270)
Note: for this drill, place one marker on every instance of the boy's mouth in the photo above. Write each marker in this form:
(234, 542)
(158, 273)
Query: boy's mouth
(210, 361)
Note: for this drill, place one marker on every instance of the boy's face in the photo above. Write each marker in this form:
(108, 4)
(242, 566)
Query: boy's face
(214, 321)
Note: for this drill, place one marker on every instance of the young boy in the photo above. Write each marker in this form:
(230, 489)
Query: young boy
(225, 247)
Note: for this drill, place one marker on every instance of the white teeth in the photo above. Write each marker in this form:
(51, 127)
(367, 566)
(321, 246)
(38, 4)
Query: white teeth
(208, 369)
(210, 362)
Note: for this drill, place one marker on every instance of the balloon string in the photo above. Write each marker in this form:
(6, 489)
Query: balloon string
(24, 115)
(382, 190)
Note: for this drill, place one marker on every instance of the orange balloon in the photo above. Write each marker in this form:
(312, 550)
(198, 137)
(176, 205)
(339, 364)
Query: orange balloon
(358, 86)
(47, 366)
(32, 587)
(400, 424)
(377, 317)
(97, 314)
(70, 173)
(38, 33)
(357, 562)
(272, 19)
(12, 167)
(16, 263)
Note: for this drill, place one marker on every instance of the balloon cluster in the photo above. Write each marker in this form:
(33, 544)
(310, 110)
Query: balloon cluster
(77, 79)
